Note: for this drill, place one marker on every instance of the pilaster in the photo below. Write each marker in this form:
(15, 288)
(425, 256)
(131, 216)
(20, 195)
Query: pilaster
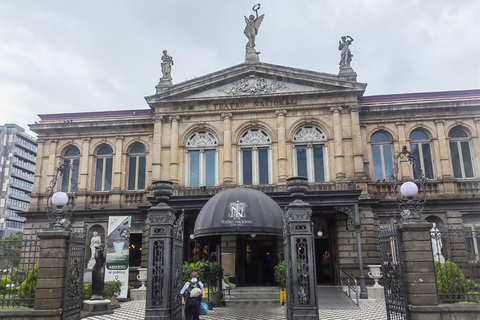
(359, 172)
(157, 148)
(282, 146)
(227, 148)
(84, 170)
(404, 173)
(338, 143)
(174, 149)
(444, 156)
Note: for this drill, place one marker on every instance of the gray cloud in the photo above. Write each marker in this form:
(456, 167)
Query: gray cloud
(66, 56)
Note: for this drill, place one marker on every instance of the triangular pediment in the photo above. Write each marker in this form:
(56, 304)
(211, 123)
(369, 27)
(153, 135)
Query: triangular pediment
(255, 80)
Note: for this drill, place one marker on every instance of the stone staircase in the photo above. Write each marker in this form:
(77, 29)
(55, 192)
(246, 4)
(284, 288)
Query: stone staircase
(253, 294)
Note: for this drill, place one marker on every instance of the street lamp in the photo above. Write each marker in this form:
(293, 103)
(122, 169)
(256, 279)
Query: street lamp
(60, 215)
(410, 202)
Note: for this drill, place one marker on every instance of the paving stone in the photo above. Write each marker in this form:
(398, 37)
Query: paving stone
(369, 310)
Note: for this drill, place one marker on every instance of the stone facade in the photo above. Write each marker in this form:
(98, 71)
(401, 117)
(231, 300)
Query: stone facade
(212, 120)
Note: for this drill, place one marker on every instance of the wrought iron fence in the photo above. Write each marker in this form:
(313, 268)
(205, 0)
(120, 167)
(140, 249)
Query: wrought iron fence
(456, 252)
(18, 270)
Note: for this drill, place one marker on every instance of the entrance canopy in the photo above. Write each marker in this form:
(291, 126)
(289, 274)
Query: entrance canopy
(239, 211)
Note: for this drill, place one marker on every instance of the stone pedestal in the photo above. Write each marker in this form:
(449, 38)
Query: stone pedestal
(346, 73)
(251, 56)
(96, 305)
(138, 294)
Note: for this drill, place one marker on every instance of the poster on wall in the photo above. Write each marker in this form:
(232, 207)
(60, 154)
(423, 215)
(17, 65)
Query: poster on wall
(118, 245)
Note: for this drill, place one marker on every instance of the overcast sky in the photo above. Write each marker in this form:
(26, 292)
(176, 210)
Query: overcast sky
(75, 56)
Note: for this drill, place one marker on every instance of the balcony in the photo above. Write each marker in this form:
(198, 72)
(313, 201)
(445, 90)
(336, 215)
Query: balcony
(181, 191)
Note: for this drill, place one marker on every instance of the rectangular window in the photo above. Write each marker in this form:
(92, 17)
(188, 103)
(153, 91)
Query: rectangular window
(247, 166)
(427, 160)
(75, 173)
(108, 174)
(66, 181)
(318, 163)
(457, 167)
(142, 165)
(210, 168)
(263, 165)
(467, 160)
(388, 161)
(132, 168)
(302, 161)
(194, 169)
(377, 163)
(99, 175)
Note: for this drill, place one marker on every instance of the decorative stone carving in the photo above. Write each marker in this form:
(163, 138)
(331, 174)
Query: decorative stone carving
(202, 139)
(354, 108)
(174, 118)
(335, 109)
(436, 239)
(345, 55)
(162, 190)
(167, 63)
(226, 115)
(253, 85)
(309, 133)
(255, 136)
(375, 274)
(348, 210)
(297, 186)
(280, 112)
(94, 242)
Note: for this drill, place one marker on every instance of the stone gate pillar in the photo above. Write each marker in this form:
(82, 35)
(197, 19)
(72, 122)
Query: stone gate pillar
(165, 257)
(299, 254)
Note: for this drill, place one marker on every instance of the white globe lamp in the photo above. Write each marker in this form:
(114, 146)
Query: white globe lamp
(59, 199)
(409, 189)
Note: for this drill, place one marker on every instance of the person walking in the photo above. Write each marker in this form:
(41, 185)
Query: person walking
(192, 292)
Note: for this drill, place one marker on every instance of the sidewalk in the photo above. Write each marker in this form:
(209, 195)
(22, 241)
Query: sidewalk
(369, 310)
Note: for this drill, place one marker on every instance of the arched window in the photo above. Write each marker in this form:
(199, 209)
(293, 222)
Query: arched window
(136, 167)
(73, 155)
(103, 169)
(254, 155)
(201, 166)
(420, 147)
(460, 153)
(382, 156)
(310, 154)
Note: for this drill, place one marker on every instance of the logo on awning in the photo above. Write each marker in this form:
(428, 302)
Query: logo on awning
(237, 213)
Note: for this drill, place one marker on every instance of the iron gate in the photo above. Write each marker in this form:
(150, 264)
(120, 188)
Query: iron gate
(72, 304)
(390, 255)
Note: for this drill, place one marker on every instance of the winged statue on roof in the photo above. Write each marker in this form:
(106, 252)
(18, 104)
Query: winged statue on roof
(252, 26)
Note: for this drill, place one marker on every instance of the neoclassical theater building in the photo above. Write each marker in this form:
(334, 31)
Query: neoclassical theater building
(254, 125)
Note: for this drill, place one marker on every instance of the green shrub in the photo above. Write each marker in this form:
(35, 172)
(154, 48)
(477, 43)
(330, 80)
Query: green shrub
(112, 288)
(280, 274)
(208, 272)
(452, 285)
(28, 287)
(87, 292)
(3, 283)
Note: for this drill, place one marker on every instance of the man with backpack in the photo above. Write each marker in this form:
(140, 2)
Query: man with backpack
(192, 292)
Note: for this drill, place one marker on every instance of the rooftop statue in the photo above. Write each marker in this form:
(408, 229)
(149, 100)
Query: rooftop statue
(251, 31)
(346, 54)
(167, 63)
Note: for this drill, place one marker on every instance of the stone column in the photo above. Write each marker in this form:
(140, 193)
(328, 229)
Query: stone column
(359, 172)
(282, 146)
(444, 154)
(165, 257)
(299, 254)
(52, 159)
(338, 140)
(418, 267)
(52, 262)
(227, 148)
(402, 141)
(157, 149)
(174, 149)
(84, 170)
(117, 164)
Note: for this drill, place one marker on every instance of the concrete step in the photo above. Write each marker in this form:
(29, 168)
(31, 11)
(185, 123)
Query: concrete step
(253, 294)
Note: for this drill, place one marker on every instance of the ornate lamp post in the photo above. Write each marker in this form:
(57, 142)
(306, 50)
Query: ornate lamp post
(410, 201)
(61, 215)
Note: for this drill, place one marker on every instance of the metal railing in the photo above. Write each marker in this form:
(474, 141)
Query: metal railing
(456, 253)
(18, 259)
(351, 283)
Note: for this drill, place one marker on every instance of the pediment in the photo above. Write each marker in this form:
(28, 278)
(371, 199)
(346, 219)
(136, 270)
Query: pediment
(255, 80)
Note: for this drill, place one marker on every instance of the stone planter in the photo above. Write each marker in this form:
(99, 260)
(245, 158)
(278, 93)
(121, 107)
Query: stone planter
(375, 274)
(142, 277)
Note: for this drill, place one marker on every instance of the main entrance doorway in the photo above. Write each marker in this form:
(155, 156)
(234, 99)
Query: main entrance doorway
(256, 259)
(326, 258)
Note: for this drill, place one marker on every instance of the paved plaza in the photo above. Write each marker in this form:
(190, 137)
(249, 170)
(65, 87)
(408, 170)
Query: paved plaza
(369, 310)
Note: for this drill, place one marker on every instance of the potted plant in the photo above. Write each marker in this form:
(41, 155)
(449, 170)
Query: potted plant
(280, 278)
